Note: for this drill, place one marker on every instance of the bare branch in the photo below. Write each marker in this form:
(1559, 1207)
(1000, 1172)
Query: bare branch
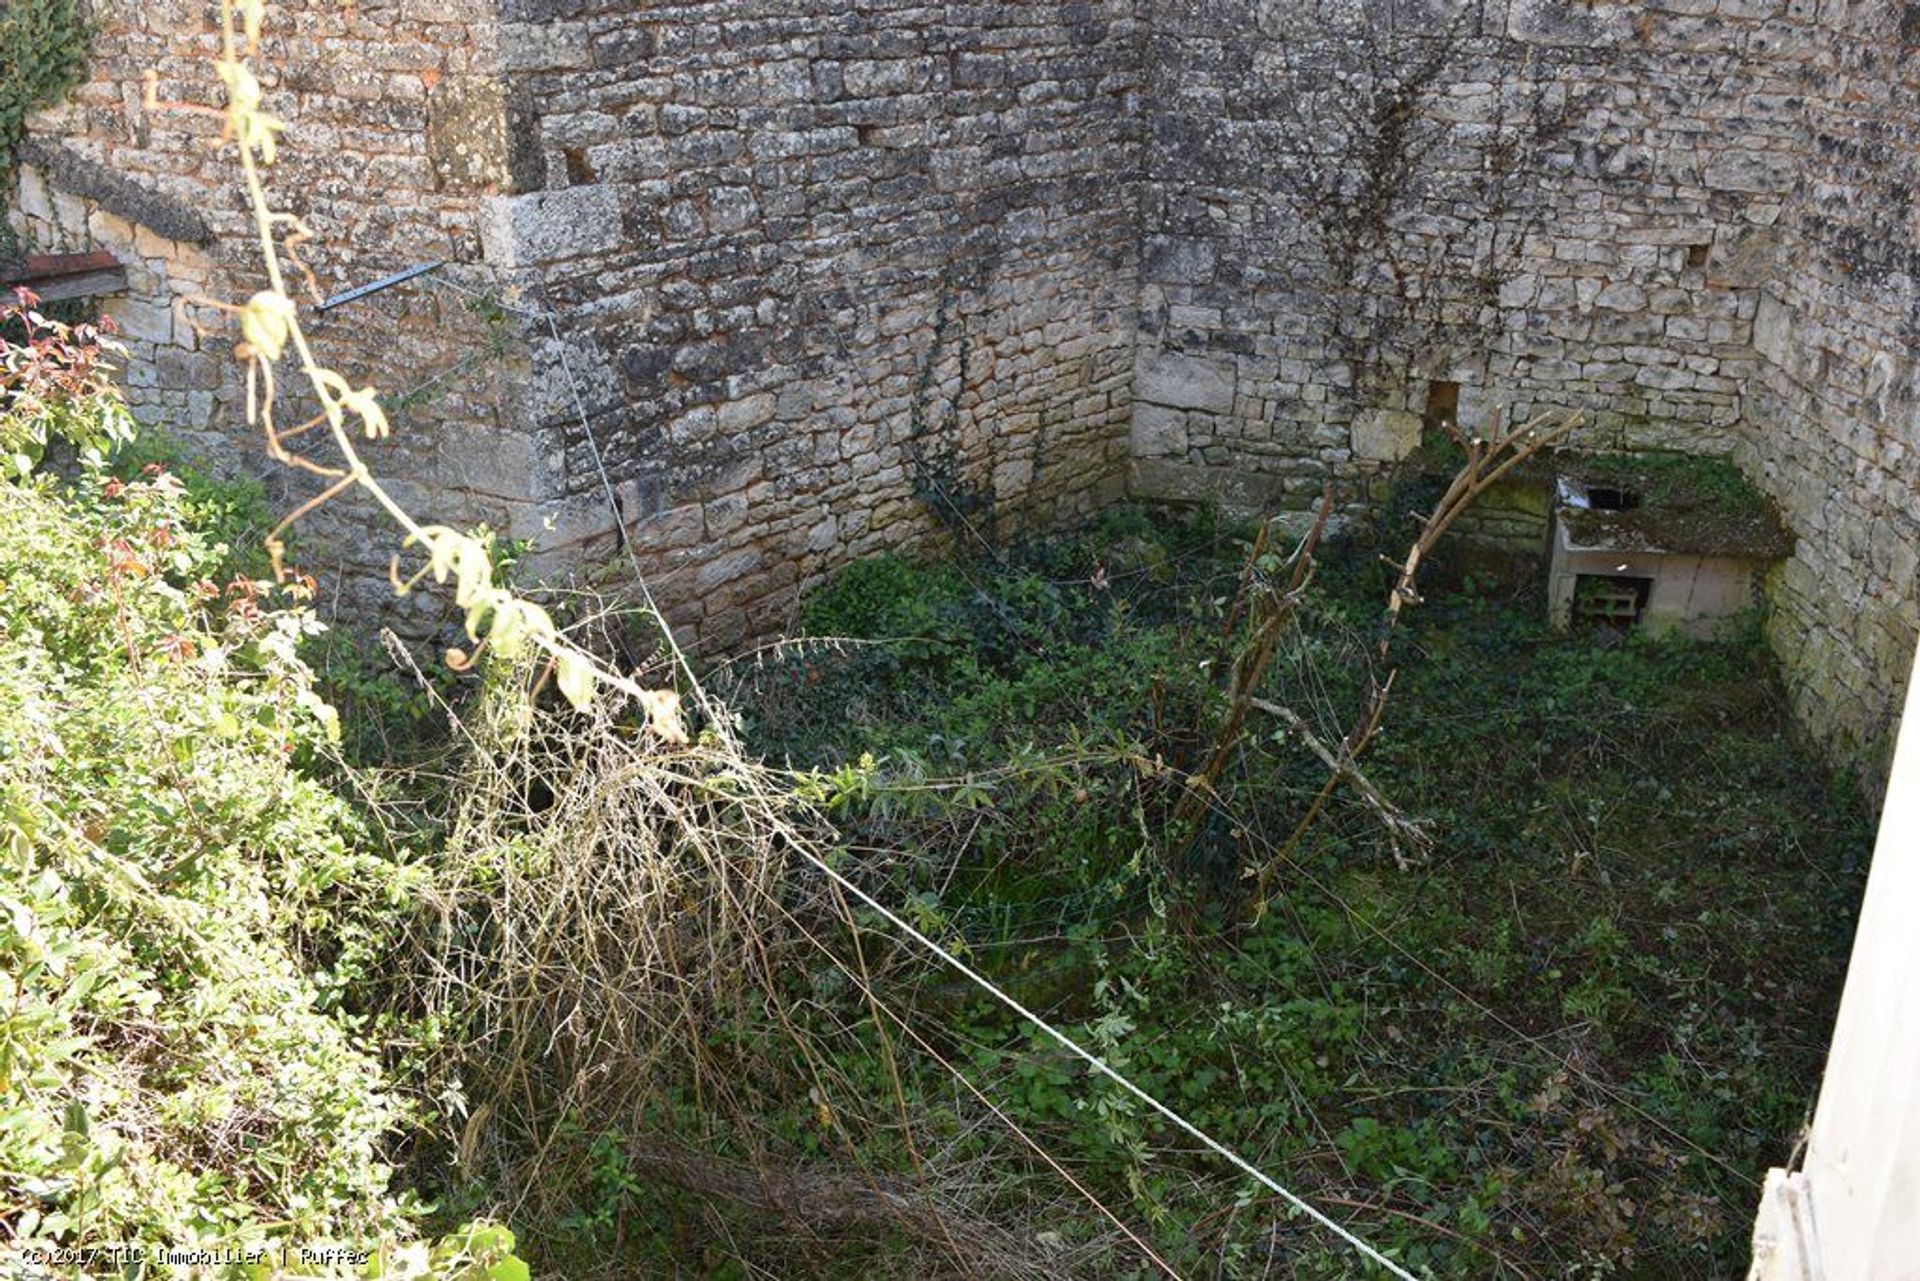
(1403, 832)
(1270, 610)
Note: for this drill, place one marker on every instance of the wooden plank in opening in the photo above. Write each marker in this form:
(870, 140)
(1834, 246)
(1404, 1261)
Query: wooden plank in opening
(58, 276)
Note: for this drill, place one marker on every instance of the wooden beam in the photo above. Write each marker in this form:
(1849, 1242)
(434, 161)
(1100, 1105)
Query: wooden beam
(57, 276)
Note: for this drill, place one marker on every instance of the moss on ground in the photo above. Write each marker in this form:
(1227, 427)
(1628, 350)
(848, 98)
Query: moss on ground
(1699, 506)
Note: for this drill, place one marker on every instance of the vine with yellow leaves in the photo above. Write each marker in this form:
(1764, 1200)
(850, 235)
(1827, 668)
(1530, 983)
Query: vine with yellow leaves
(497, 618)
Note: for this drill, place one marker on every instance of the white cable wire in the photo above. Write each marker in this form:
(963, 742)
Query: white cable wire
(593, 446)
(718, 722)
(1099, 1065)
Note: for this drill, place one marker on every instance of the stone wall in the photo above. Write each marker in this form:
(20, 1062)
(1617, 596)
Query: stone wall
(388, 152)
(811, 281)
(835, 278)
(1547, 203)
(1551, 204)
(1833, 416)
(828, 280)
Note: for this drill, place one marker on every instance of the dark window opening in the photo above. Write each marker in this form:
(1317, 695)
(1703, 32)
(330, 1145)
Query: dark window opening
(1443, 403)
(1607, 600)
(1607, 499)
(579, 168)
(1697, 255)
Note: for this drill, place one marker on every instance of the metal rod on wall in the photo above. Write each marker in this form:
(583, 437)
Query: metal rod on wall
(375, 286)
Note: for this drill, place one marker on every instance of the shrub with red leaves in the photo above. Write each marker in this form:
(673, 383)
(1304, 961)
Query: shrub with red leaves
(56, 383)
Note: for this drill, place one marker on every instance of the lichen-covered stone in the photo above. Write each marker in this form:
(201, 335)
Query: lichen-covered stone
(467, 132)
(1386, 435)
(544, 227)
(1186, 382)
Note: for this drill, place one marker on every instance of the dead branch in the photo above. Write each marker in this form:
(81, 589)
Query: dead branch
(1404, 833)
(829, 1205)
(1270, 609)
(1489, 459)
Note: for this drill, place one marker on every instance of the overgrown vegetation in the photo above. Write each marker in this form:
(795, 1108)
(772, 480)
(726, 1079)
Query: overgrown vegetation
(561, 969)
(566, 957)
(1567, 1044)
(43, 53)
(184, 910)
(178, 1068)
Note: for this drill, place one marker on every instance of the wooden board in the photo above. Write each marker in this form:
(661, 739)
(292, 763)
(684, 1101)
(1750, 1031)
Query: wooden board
(58, 276)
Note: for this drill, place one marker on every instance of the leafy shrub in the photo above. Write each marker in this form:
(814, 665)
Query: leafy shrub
(182, 908)
(174, 1071)
(230, 514)
(54, 385)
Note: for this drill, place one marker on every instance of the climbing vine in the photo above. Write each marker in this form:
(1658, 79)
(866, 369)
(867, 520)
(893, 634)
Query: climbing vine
(43, 53)
(932, 445)
(270, 331)
(1364, 151)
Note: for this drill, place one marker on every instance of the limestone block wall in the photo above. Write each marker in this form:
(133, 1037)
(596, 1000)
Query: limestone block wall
(1691, 219)
(168, 376)
(811, 280)
(1547, 202)
(834, 278)
(827, 278)
(1833, 414)
(390, 145)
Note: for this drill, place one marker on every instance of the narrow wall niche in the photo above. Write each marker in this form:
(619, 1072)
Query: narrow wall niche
(1443, 404)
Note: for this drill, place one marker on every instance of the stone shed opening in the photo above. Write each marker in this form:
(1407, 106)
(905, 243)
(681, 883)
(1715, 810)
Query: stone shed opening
(1661, 543)
(1610, 600)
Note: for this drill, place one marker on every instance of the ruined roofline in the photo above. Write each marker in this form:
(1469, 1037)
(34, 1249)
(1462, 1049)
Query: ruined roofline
(138, 203)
